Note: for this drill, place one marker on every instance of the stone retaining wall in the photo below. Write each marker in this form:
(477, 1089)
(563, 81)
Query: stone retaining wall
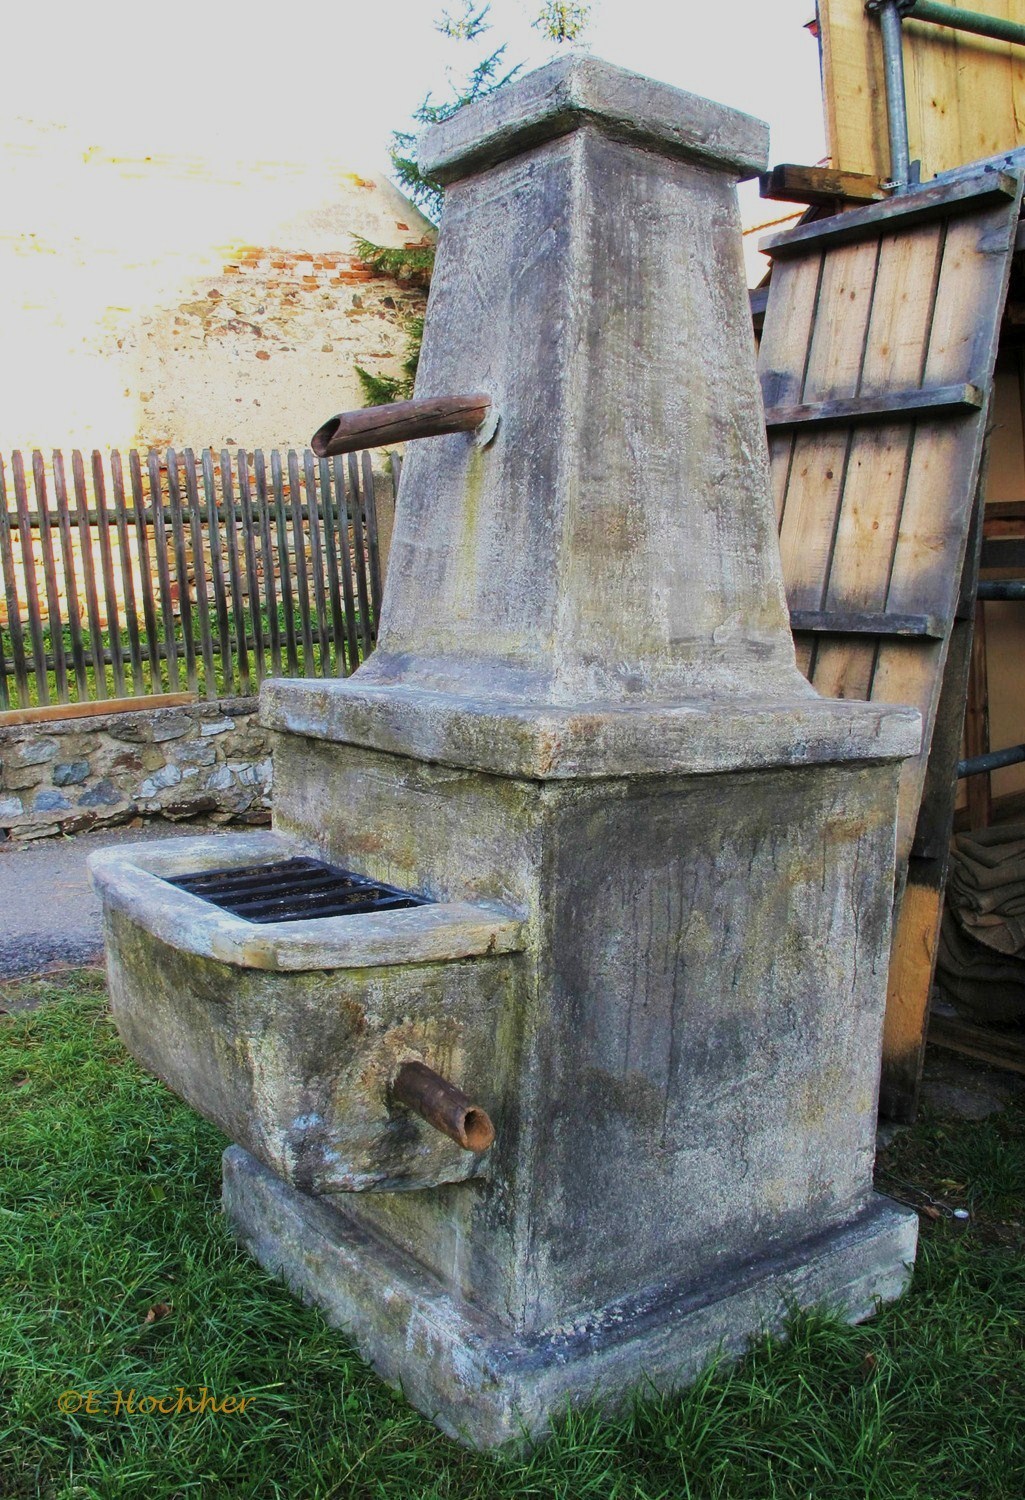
(198, 759)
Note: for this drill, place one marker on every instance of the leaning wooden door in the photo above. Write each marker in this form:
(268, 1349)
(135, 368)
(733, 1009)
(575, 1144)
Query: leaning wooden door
(876, 362)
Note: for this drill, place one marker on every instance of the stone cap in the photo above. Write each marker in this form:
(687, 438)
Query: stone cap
(578, 89)
(590, 741)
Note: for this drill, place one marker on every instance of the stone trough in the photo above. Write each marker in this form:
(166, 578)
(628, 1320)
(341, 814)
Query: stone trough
(655, 867)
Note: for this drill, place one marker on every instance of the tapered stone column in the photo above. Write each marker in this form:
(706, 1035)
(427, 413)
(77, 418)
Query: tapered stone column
(584, 708)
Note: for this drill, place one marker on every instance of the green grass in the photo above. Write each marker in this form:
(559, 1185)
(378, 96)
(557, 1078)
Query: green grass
(109, 1208)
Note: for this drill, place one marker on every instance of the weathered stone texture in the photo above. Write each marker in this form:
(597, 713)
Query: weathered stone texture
(584, 710)
(296, 1067)
(701, 1058)
(488, 1388)
(208, 759)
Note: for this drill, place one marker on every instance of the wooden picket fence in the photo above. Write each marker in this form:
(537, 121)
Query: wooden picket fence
(189, 573)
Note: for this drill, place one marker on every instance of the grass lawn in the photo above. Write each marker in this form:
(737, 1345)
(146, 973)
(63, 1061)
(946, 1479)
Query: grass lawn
(117, 1274)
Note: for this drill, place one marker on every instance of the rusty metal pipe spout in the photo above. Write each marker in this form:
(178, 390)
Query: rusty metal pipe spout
(397, 422)
(442, 1105)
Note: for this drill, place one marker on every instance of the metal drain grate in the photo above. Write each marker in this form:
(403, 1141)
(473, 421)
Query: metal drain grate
(292, 889)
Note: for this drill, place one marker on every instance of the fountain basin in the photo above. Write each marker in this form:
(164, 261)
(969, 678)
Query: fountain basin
(288, 1036)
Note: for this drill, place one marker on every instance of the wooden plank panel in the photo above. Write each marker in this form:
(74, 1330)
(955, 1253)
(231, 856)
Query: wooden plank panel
(889, 536)
(966, 94)
(781, 458)
(812, 501)
(127, 580)
(783, 356)
(107, 565)
(238, 603)
(942, 474)
(933, 202)
(33, 612)
(160, 541)
(373, 558)
(345, 565)
(333, 567)
(930, 82)
(852, 88)
(818, 464)
(250, 529)
(973, 275)
(213, 550)
(317, 560)
(837, 347)
(200, 552)
(85, 541)
(877, 467)
(145, 571)
(181, 569)
(302, 577)
(53, 609)
(267, 559)
(70, 571)
(866, 622)
(284, 562)
(14, 624)
(359, 555)
(910, 977)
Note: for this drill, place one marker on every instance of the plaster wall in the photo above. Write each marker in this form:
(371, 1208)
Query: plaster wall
(174, 300)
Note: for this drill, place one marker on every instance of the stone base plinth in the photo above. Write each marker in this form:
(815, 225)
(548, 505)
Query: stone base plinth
(487, 1386)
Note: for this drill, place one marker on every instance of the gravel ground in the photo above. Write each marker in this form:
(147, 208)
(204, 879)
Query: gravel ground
(49, 913)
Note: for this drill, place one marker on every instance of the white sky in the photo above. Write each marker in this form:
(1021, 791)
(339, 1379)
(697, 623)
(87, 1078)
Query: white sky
(314, 80)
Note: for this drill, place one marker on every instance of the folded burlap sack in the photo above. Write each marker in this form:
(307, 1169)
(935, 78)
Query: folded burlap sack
(981, 959)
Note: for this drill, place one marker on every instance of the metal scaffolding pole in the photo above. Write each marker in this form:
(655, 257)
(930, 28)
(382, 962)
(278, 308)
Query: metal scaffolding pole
(963, 20)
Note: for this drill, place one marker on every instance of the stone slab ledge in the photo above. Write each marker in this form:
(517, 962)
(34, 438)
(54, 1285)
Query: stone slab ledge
(589, 741)
(486, 1385)
(134, 881)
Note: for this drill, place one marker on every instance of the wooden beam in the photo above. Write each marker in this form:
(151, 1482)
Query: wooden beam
(998, 1049)
(920, 207)
(944, 400)
(790, 183)
(99, 710)
(976, 726)
(863, 622)
(912, 958)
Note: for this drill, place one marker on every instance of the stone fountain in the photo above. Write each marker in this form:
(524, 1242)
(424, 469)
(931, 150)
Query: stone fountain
(637, 876)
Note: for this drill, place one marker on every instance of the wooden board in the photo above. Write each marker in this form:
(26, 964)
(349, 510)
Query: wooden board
(1000, 1049)
(912, 962)
(875, 518)
(53, 712)
(965, 94)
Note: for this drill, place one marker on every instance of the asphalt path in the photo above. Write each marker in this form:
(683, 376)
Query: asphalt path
(49, 912)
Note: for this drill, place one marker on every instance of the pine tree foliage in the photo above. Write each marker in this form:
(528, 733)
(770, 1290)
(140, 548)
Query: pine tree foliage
(488, 74)
(412, 264)
(560, 21)
(378, 390)
(467, 27)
